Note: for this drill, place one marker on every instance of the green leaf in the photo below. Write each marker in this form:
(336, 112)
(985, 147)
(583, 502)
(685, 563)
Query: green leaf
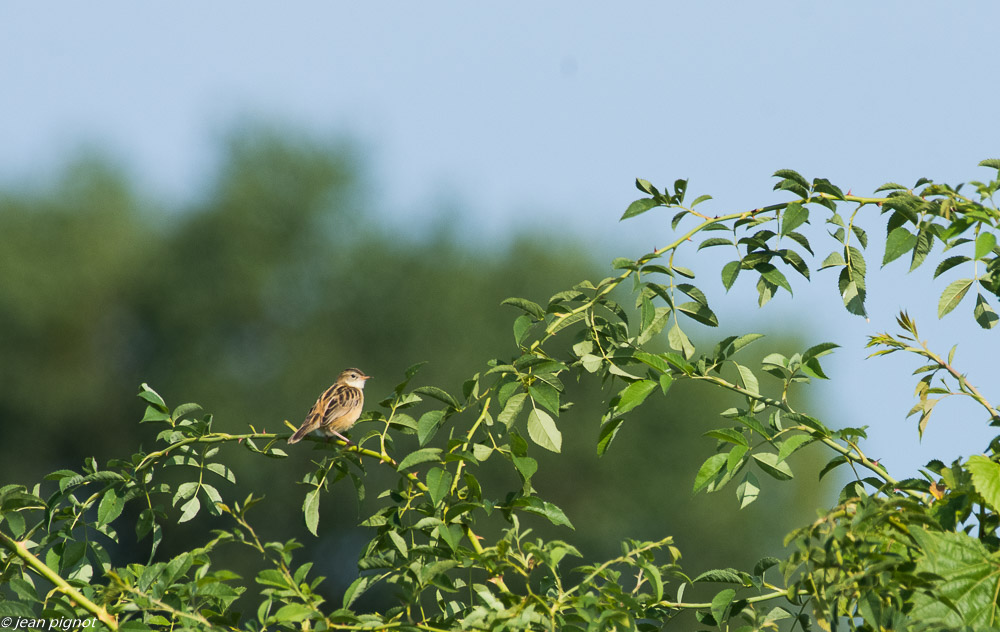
(544, 508)
(832, 260)
(543, 431)
(522, 324)
(438, 484)
(720, 606)
(294, 612)
(794, 216)
(749, 379)
(985, 244)
(949, 263)
(953, 295)
(709, 470)
(899, 242)
(985, 316)
(791, 444)
(678, 340)
(748, 490)
(357, 588)
(110, 508)
(773, 275)
(423, 455)
(661, 316)
(714, 241)
(986, 479)
(152, 397)
(819, 350)
(428, 425)
(633, 395)
(969, 581)
(698, 312)
(791, 174)
(639, 207)
(530, 307)
(310, 510)
(991, 162)
(512, 409)
(189, 509)
(438, 394)
(771, 465)
(545, 394)
(645, 186)
(729, 273)
(526, 465)
(925, 241)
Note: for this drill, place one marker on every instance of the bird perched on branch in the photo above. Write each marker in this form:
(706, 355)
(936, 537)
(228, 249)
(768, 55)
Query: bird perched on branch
(337, 408)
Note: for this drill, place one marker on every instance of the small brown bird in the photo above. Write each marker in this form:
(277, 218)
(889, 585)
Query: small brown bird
(337, 408)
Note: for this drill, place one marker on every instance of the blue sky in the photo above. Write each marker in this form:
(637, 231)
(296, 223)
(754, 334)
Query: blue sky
(543, 115)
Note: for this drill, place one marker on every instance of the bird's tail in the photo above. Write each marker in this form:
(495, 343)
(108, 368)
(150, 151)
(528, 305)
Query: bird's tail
(303, 430)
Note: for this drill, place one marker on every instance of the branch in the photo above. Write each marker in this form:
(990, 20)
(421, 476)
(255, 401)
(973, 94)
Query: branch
(18, 549)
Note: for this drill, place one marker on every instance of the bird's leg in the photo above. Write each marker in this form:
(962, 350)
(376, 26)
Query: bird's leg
(346, 440)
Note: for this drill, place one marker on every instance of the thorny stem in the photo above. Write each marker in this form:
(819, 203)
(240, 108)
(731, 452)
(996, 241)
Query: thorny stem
(21, 551)
(852, 454)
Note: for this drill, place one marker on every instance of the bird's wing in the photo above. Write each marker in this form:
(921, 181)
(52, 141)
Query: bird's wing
(342, 399)
(317, 414)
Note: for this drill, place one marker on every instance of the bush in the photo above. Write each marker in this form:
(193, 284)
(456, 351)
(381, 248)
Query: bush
(451, 537)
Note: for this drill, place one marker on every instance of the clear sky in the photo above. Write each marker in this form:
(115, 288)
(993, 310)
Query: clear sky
(544, 114)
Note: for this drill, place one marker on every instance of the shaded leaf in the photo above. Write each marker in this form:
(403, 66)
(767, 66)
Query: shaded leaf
(543, 430)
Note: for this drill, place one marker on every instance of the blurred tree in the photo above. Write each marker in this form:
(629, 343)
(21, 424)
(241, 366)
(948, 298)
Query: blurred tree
(253, 300)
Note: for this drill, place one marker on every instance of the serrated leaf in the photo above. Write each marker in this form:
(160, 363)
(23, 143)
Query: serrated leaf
(189, 509)
(526, 465)
(543, 430)
(749, 379)
(773, 275)
(985, 244)
(639, 207)
(714, 241)
(991, 162)
(439, 394)
(967, 581)
(512, 409)
(633, 395)
(428, 425)
(899, 242)
(791, 444)
(832, 259)
(769, 462)
(310, 510)
(423, 455)
(530, 307)
(791, 174)
(110, 507)
(949, 263)
(609, 430)
(545, 394)
(925, 241)
(709, 470)
(729, 273)
(986, 479)
(984, 314)
(953, 295)
(748, 490)
(438, 484)
(794, 216)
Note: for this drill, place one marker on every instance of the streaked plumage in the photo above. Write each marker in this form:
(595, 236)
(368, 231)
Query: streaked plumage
(337, 408)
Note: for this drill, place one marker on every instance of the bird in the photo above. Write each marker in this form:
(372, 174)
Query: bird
(337, 408)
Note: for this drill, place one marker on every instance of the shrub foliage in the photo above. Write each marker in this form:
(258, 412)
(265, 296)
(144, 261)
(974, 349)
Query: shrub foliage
(458, 552)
